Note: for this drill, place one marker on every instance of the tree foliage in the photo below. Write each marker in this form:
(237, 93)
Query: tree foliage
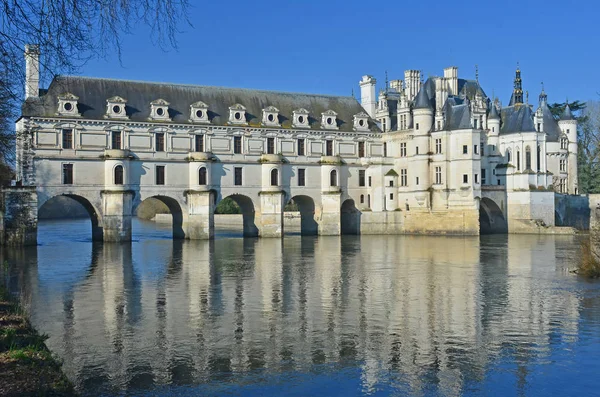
(228, 206)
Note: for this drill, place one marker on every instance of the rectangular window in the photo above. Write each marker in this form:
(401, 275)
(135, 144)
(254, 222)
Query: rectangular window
(483, 176)
(539, 127)
(403, 149)
(417, 150)
(199, 143)
(392, 183)
(237, 176)
(476, 178)
(403, 177)
(475, 123)
(361, 149)
(67, 139)
(160, 174)
(237, 144)
(563, 165)
(383, 125)
(384, 149)
(270, 145)
(369, 181)
(67, 170)
(438, 146)
(498, 182)
(417, 181)
(438, 175)
(417, 126)
(361, 177)
(300, 147)
(391, 196)
(465, 149)
(439, 125)
(329, 148)
(475, 149)
(301, 177)
(465, 178)
(159, 143)
(116, 140)
(482, 149)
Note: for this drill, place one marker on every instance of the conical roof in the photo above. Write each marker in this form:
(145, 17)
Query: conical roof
(493, 113)
(422, 100)
(567, 115)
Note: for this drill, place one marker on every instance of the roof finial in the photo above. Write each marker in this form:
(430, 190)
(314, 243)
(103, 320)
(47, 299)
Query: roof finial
(518, 66)
(477, 73)
(527, 97)
(542, 86)
(386, 81)
(353, 92)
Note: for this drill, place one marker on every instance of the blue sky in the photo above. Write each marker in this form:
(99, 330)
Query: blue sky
(326, 46)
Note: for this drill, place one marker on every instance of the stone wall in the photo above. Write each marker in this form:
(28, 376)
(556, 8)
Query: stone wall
(18, 216)
(465, 222)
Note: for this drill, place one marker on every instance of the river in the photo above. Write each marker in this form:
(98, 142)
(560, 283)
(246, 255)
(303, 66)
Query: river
(298, 316)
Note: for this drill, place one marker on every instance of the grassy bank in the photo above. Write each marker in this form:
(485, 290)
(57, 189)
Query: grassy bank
(27, 368)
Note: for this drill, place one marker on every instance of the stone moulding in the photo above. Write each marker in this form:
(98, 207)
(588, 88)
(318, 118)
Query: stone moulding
(117, 154)
(272, 159)
(200, 156)
(331, 160)
(270, 192)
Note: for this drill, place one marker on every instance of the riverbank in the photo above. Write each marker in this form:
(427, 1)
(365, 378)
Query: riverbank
(27, 367)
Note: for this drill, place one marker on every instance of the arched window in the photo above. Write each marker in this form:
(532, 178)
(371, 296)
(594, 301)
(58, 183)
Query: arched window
(274, 177)
(539, 158)
(333, 178)
(508, 157)
(527, 158)
(518, 161)
(362, 198)
(202, 176)
(119, 175)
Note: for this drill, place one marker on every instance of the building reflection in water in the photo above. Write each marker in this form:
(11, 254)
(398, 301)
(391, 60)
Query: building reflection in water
(416, 313)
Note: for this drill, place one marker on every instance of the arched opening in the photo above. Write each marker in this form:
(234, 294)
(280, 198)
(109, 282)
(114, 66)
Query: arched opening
(333, 178)
(274, 177)
(527, 158)
(67, 214)
(299, 216)
(202, 176)
(118, 175)
(518, 161)
(164, 211)
(235, 214)
(350, 218)
(491, 218)
(538, 158)
(508, 156)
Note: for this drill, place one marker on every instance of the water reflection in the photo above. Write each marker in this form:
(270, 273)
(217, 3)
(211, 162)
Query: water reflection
(380, 314)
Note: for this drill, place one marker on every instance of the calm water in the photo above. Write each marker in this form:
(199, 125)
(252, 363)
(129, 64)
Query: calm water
(375, 315)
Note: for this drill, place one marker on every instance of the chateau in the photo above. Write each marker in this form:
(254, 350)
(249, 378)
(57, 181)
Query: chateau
(438, 156)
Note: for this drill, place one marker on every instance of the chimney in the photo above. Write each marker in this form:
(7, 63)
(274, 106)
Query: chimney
(451, 75)
(32, 71)
(367, 94)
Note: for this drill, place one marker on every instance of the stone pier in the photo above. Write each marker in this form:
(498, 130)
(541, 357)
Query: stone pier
(18, 216)
(200, 223)
(116, 220)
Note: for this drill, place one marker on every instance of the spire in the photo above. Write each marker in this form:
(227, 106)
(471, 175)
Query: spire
(567, 115)
(422, 100)
(543, 96)
(517, 95)
(386, 81)
(493, 115)
(477, 73)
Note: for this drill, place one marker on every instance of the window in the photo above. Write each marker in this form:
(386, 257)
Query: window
(417, 181)
(391, 183)
(527, 158)
(483, 176)
(369, 200)
(564, 143)
(465, 149)
(384, 149)
(159, 143)
(329, 148)
(301, 177)
(199, 143)
(417, 125)
(119, 175)
(499, 182)
(465, 178)
(508, 156)
(300, 147)
(67, 171)
(417, 150)
(476, 178)
(482, 149)
(333, 178)
(361, 149)
(202, 176)
(438, 175)
(160, 175)
(438, 146)
(439, 125)
(475, 123)
(361, 177)
(538, 158)
(116, 140)
(67, 139)
(518, 161)
(383, 125)
(274, 177)
(237, 176)
(237, 144)
(362, 198)
(391, 196)
(403, 177)
(539, 127)
(270, 145)
(563, 165)
(403, 149)
(369, 181)
(475, 149)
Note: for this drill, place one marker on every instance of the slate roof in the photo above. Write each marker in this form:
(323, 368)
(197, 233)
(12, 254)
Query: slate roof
(518, 118)
(551, 127)
(422, 100)
(93, 93)
(458, 117)
(493, 115)
(567, 115)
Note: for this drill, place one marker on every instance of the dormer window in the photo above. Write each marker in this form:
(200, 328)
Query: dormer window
(301, 118)
(329, 120)
(270, 116)
(237, 114)
(199, 112)
(67, 105)
(361, 122)
(115, 108)
(159, 110)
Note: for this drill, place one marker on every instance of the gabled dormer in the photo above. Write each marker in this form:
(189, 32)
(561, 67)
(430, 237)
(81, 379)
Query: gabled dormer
(115, 108)
(67, 105)
(270, 116)
(199, 112)
(329, 120)
(237, 114)
(159, 110)
(300, 118)
(361, 122)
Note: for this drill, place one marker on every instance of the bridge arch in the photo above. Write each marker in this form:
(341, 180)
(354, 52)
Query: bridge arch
(174, 208)
(94, 214)
(350, 218)
(306, 207)
(491, 218)
(248, 211)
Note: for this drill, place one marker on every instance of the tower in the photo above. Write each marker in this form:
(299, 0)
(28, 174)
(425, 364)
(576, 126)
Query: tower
(367, 95)
(568, 125)
(517, 95)
(32, 71)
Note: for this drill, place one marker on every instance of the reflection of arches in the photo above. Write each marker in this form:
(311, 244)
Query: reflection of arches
(350, 218)
(248, 213)
(174, 209)
(306, 207)
(95, 217)
(491, 218)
